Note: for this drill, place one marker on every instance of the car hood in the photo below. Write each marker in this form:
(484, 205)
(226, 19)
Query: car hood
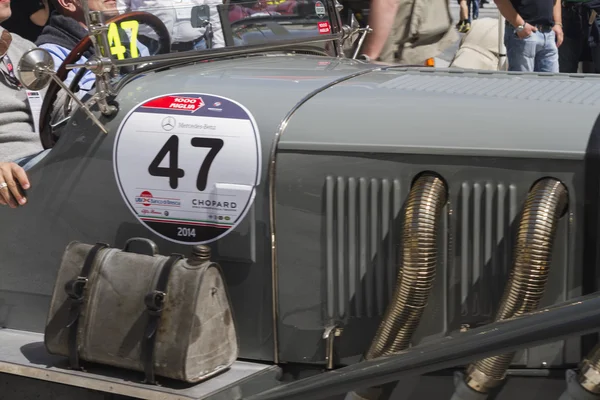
(270, 87)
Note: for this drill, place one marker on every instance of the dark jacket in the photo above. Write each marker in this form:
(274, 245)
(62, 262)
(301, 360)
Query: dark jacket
(63, 31)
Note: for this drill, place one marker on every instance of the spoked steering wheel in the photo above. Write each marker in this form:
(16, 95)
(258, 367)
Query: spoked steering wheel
(47, 137)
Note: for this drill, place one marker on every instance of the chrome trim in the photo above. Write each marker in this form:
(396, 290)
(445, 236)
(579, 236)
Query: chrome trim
(149, 67)
(101, 65)
(329, 335)
(366, 30)
(271, 178)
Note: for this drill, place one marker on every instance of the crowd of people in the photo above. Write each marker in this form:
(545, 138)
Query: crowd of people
(58, 26)
(545, 35)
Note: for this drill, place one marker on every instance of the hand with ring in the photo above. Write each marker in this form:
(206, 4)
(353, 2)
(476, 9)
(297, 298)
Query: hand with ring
(11, 175)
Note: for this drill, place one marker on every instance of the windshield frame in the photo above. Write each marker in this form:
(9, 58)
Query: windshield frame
(335, 37)
(105, 66)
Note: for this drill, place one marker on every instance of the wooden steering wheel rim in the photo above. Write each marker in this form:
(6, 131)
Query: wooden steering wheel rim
(47, 138)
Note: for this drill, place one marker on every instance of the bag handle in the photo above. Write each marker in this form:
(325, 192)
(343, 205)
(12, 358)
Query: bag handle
(141, 246)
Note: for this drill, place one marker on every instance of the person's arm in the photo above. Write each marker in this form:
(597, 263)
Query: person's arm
(59, 54)
(381, 20)
(12, 175)
(512, 16)
(509, 13)
(557, 28)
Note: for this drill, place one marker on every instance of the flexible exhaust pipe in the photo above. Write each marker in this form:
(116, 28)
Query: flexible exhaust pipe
(426, 200)
(584, 384)
(546, 203)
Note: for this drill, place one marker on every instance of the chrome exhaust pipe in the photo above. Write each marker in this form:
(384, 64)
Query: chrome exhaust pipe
(426, 200)
(546, 203)
(584, 384)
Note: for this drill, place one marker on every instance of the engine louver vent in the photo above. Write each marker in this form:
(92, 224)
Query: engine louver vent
(363, 233)
(482, 249)
(362, 236)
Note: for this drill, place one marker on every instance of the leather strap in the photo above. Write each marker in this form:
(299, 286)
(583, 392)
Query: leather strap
(75, 290)
(154, 306)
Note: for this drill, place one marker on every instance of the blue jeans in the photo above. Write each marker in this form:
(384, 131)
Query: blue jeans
(473, 6)
(537, 52)
(201, 45)
(30, 161)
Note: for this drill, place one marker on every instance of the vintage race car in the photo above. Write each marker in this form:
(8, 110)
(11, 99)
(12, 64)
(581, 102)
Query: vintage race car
(275, 220)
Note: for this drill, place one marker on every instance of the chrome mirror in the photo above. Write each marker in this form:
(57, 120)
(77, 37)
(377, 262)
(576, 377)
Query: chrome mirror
(35, 69)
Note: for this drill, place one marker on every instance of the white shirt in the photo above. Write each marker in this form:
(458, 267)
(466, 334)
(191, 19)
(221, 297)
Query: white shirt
(177, 15)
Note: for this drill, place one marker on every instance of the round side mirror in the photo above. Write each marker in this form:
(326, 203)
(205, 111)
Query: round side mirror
(35, 69)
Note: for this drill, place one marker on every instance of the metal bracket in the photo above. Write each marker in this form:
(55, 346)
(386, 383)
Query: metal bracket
(330, 333)
(102, 66)
(60, 123)
(364, 31)
(349, 30)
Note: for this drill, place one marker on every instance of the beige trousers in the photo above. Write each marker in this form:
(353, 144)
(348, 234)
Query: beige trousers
(479, 47)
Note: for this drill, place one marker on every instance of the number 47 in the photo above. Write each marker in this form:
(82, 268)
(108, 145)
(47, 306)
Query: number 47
(173, 172)
(114, 39)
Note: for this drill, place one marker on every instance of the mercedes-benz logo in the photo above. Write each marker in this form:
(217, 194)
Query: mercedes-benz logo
(168, 124)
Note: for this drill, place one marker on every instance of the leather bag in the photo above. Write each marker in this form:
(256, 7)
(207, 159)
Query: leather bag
(161, 315)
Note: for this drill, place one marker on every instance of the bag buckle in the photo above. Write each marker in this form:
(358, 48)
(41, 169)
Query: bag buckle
(75, 288)
(155, 301)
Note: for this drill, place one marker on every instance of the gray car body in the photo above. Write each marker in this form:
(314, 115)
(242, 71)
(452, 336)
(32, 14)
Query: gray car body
(341, 142)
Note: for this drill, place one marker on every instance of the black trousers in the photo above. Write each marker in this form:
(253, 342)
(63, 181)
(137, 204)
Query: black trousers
(576, 45)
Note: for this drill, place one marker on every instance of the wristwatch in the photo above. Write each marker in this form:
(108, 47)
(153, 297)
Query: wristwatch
(520, 27)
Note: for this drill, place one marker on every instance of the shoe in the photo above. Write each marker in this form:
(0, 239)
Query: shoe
(465, 27)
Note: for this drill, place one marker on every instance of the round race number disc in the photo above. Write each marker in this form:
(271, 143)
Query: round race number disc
(187, 165)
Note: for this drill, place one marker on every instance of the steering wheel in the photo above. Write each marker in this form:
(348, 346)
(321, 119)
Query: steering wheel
(47, 137)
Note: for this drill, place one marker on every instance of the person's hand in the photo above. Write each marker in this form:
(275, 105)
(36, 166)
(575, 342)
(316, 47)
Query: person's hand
(10, 175)
(527, 31)
(560, 36)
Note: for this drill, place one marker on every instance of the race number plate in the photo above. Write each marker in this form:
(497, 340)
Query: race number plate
(187, 165)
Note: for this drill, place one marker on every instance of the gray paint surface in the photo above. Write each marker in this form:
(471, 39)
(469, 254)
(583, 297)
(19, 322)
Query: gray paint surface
(339, 238)
(362, 140)
(451, 113)
(74, 195)
(342, 183)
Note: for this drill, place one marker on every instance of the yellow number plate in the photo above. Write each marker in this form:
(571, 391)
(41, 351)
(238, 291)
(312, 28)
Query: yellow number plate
(114, 39)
